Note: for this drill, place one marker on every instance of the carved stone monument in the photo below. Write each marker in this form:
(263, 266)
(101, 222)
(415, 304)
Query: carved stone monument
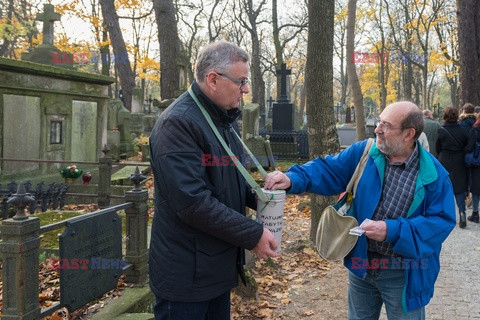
(283, 109)
(47, 53)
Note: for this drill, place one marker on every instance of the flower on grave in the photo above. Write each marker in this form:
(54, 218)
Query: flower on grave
(71, 172)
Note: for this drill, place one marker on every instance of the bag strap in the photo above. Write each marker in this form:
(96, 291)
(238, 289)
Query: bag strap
(451, 136)
(253, 184)
(359, 169)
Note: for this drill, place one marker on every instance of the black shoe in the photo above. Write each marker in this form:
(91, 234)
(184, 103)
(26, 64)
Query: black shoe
(463, 220)
(474, 217)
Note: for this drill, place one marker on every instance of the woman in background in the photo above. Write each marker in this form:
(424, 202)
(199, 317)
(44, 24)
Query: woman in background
(473, 137)
(451, 141)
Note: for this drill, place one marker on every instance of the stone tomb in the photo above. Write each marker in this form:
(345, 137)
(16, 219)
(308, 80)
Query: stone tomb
(49, 113)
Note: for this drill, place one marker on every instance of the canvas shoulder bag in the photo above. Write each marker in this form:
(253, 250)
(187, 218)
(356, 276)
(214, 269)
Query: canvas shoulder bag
(333, 241)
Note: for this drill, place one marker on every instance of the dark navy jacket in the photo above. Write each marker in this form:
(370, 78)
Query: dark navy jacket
(199, 228)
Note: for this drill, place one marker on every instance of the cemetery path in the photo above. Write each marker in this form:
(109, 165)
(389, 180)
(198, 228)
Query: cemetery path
(301, 285)
(298, 284)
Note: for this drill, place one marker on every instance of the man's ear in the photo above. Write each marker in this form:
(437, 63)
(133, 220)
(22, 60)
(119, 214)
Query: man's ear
(411, 133)
(211, 80)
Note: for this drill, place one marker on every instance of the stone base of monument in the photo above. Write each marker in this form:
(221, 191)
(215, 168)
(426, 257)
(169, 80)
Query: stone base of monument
(134, 303)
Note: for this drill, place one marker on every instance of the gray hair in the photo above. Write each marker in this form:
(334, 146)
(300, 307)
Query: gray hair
(218, 56)
(414, 119)
(427, 113)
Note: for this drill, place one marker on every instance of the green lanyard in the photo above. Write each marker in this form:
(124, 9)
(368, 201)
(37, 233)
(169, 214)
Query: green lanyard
(234, 158)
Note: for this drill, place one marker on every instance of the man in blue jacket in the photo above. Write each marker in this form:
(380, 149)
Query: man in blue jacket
(199, 230)
(408, 194)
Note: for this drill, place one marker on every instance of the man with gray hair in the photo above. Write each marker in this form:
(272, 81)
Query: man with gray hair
(199, 229)
(430, 128)
(408, 195)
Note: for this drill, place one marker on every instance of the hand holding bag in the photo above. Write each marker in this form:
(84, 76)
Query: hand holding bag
(333, 241)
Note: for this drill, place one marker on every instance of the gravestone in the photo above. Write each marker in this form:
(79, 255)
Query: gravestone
(95, 242)
(113, 133)
(346, 135)
(124, 121)
(84, 130)
(282, 109)
(137, 100)
(21, 132)
(270, 108)
(250, 128)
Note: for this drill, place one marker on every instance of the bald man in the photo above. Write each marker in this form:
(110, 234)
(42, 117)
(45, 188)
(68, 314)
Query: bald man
(409, 197)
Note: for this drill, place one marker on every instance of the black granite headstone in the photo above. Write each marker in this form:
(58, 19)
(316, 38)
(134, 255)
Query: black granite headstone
(90, 258)
(283, 110)
(282, 116)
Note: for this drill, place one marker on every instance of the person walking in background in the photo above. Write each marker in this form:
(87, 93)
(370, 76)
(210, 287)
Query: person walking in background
(451, 141)
(473, 137)
(430, 129)
(407, 193)
(476, 111)
(199, 229)
(467, 118)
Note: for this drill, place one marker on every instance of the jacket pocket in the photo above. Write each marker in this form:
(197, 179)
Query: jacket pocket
(215, 261)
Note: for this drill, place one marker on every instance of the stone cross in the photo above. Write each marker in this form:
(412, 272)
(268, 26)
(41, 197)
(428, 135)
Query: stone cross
(283, 72)
(49, 16)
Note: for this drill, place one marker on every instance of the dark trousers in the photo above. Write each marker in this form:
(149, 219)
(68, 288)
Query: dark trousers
(215, 309)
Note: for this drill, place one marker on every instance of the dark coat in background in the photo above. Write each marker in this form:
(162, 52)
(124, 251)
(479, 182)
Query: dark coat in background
(430, 128)
(474, 136)
(466, 121)
(449, 147)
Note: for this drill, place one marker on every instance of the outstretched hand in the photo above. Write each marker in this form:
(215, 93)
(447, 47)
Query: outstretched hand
(266, 246)
(277, 180)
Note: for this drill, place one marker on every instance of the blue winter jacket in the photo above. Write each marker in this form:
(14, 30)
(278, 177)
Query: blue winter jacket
(419, 235)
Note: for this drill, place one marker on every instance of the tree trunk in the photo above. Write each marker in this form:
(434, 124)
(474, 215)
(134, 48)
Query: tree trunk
(169, 48)
(258, 84)
(468, 17)
(127, 79)
(322, 132)
(352, 72)
(276, 43)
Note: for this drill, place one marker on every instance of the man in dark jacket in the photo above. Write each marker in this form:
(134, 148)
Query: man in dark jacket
(199, 229)
(430, 129)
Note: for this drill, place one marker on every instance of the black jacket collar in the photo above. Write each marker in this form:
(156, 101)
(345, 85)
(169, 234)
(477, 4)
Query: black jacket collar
(219, 116)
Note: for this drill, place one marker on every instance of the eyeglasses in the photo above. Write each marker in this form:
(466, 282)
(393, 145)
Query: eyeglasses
(242, 82)
(385, 126)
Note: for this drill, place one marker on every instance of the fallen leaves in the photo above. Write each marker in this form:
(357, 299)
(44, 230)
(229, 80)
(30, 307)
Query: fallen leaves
(281, 280)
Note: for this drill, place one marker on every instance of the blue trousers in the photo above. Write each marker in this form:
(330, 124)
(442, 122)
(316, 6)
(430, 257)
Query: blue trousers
(366, 296)
(475, 201)
(460, 200)
(215, 309)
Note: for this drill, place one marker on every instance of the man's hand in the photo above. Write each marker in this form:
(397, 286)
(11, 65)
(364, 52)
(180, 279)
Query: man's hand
(277, 180)
(266, 245)
(376, 230)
